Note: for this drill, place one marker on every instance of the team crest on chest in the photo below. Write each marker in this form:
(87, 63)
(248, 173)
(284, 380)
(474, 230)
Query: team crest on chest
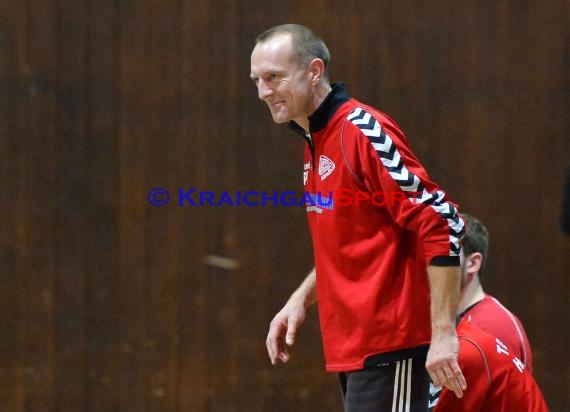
(326, 167)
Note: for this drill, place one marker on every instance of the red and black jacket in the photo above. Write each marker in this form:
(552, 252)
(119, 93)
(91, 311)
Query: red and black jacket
(371, 255)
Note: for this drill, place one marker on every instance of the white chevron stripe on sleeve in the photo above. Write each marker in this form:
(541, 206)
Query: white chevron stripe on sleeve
(364, 121)
(355, 113)
(382, 147)
(413, 187)
(393, 162)
(375, 132)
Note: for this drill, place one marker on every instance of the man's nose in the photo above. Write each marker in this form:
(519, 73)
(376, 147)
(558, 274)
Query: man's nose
(263, 90)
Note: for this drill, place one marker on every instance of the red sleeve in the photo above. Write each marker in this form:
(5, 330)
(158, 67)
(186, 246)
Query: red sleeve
(387, 165)
(477, 375)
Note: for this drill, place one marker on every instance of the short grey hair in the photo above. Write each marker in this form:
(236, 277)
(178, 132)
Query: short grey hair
(306, 45)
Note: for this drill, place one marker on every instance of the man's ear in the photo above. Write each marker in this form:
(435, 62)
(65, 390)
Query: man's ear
(474, 263)
(317, 70)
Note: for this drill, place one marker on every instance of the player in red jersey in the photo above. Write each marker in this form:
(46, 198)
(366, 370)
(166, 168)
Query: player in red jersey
(479, 308)
(498, 380)
(377, 267)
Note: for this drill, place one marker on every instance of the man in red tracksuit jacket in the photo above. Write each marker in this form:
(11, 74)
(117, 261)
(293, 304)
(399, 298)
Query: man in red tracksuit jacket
(383, 235)
(498, 380)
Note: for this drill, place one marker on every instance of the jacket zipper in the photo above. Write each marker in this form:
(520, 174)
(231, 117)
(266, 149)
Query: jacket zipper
(307, 136)
(309, 140)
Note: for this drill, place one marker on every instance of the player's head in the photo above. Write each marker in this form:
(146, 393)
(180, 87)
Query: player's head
(288, 63)
(475, 245)
(306, 46)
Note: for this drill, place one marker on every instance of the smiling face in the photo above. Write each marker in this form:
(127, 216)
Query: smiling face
(283, 82)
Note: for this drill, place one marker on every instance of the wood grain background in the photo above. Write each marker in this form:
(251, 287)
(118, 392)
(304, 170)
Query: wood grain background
(110, 304)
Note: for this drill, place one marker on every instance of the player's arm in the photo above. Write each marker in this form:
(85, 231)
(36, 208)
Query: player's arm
(442, 364)
(389, 166)
(283, 327)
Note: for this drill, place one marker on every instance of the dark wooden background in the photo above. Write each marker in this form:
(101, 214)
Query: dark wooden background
(110, 304)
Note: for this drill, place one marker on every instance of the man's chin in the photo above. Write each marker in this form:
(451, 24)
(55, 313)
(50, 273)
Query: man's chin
(280, 119)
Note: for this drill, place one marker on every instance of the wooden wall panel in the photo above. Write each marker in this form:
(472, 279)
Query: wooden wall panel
(111, 304)
(12, 371)
(103, 291)
(72, 192)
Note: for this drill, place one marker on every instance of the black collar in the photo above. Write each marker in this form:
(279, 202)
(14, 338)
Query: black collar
(320, 118)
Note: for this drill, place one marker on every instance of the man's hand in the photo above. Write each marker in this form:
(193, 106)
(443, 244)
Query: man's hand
(442, 363)
(283, 329)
